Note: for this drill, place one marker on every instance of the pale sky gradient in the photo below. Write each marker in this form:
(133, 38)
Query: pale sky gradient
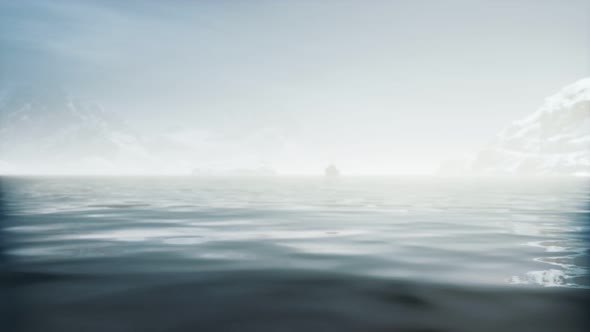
(376, 87)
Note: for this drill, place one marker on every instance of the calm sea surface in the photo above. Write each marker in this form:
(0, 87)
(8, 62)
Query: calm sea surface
(294, 254)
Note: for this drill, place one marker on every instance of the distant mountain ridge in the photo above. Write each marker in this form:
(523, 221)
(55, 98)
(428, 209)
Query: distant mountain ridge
(52, 131)
(554, 140)
(47, 130)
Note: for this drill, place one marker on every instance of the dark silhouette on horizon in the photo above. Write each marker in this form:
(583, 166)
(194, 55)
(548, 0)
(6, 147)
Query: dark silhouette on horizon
(331, 171)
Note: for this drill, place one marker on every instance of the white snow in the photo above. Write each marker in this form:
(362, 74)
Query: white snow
(554, 140)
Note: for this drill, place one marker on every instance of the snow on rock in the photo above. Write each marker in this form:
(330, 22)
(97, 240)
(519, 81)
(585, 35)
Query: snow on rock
(46, 130)
(50, 131)
(554, 140)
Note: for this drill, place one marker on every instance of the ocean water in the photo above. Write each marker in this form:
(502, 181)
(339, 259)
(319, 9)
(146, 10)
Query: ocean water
(294, 254)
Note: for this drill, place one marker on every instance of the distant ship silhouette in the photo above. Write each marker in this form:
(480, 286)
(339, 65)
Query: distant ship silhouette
(331, 171)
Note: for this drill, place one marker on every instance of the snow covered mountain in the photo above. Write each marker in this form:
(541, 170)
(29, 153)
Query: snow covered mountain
(554, 140)
(49, 131)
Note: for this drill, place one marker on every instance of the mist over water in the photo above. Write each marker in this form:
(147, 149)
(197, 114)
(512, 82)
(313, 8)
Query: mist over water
(286, 254)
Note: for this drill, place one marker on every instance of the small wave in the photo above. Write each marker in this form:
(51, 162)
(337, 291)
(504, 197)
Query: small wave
(184, 240)
(118, 205)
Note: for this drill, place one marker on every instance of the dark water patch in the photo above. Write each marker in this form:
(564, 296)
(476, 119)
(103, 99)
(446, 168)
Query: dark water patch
(24, 278)
(292, 300)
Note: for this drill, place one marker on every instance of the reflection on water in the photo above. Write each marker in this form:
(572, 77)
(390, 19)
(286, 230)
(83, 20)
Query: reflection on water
(311, 252)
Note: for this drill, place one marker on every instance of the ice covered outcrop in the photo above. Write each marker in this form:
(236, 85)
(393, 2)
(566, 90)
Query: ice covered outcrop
(554, 140)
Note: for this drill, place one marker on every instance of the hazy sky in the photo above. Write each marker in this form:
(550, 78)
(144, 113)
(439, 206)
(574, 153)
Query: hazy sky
(374, 86)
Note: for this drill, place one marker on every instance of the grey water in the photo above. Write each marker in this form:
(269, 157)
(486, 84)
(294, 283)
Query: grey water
(293, 254)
